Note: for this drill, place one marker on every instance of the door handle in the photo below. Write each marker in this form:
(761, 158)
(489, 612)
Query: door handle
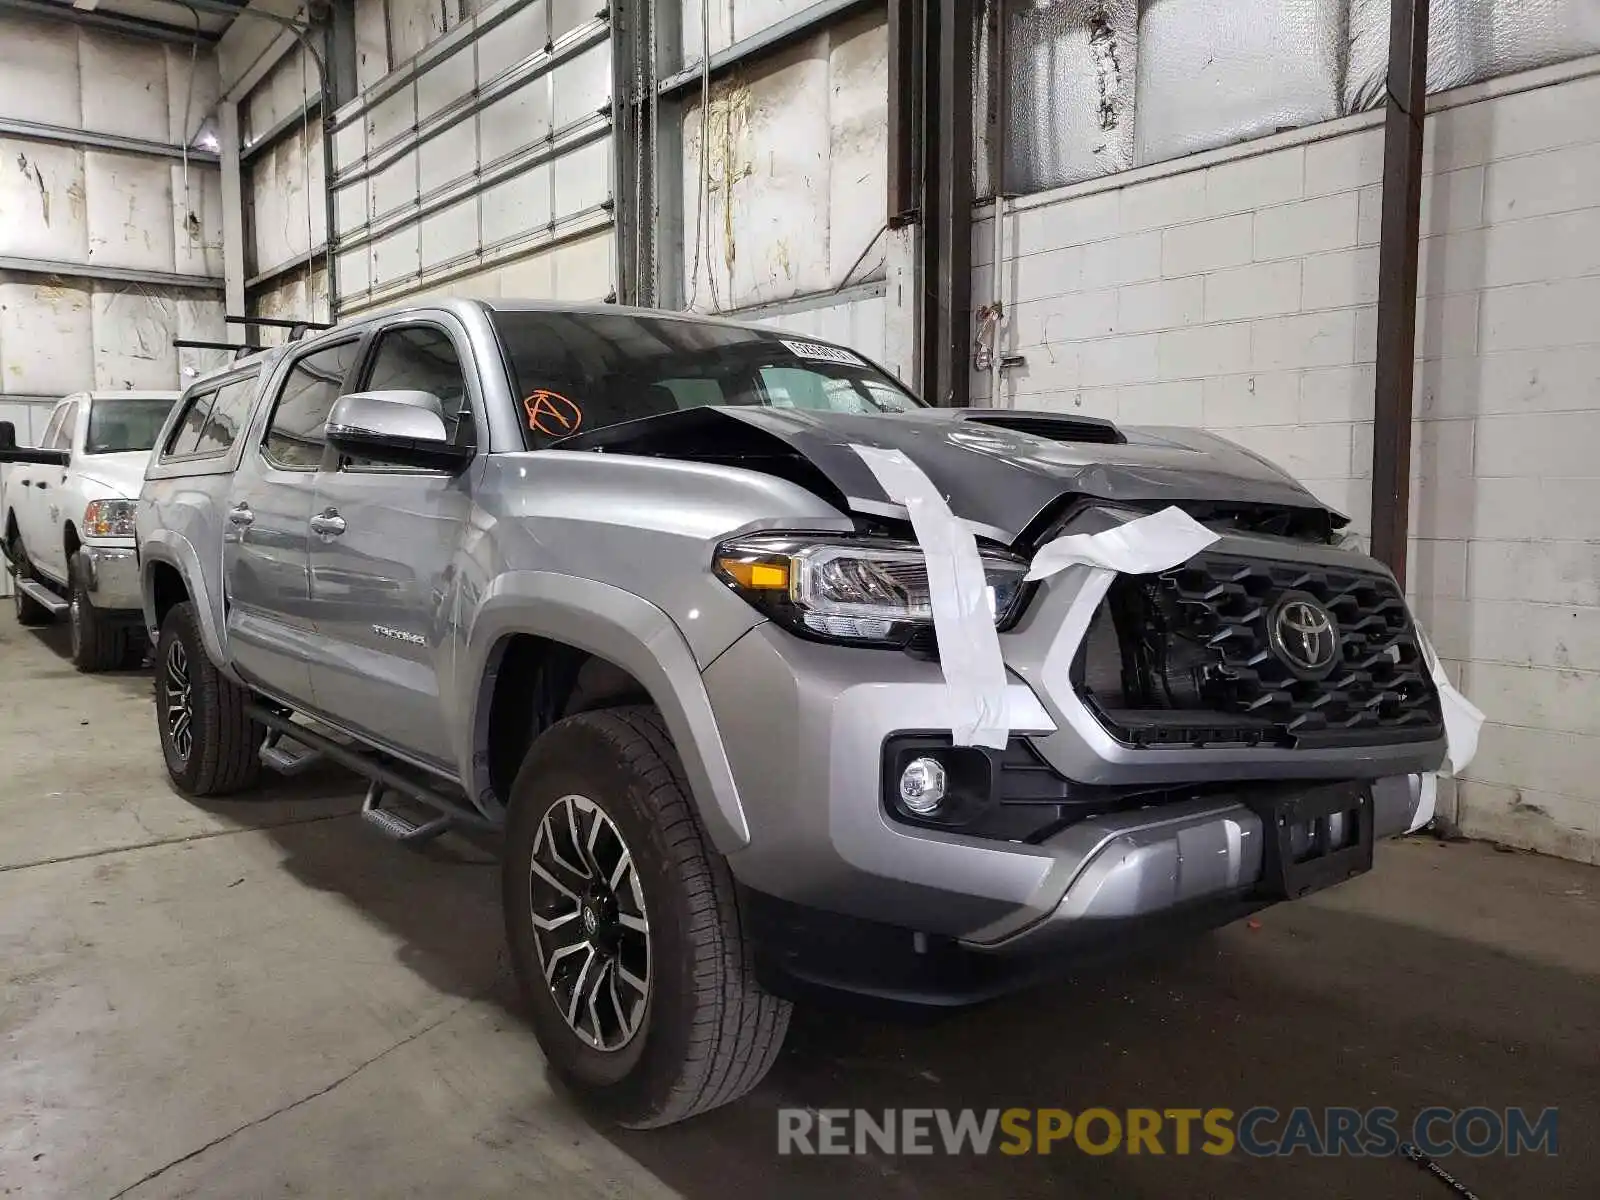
(27, 483)
(240, 515)
(42, 486)
(327, 525)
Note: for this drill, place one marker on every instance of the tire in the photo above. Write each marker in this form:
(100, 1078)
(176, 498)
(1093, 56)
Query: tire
(211, 747)
(704, 1033)
(29, 610)
(98, 644)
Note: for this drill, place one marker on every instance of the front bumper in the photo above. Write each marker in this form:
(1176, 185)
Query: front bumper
(804, 726)
(111, 577)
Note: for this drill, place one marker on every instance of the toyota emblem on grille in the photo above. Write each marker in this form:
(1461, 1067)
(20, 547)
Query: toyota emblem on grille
(1304, 636)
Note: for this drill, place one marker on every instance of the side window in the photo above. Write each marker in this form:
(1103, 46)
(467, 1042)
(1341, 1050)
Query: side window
(227, 416)
(182, 442)
(47, 439)
(294, 436)
(423, 358)
(66, 430)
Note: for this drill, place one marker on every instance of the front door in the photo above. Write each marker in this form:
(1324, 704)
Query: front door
(267, 529)
(42, 530)
(383, 552)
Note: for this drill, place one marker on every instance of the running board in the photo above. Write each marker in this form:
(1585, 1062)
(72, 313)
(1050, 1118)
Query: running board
(41, 595)
(382, 779)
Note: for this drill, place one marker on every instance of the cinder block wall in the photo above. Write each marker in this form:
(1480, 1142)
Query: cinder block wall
(1236, 290)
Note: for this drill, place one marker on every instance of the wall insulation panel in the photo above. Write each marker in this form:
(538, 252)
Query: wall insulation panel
(86, 209)
(1213, 72)
(793, 172)
(1470, 40)
(858, 323)
(499, 146)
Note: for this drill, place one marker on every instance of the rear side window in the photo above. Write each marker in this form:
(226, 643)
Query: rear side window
(295, 435)
(211, 420)
(229, 412)
(187, 433)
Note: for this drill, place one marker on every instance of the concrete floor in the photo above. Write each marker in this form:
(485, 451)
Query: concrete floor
(264, 998)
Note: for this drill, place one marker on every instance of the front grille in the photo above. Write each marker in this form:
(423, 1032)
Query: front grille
(1185, 658)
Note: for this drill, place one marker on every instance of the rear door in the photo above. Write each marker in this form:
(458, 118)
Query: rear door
(383, 575)
(267, 525)
(25, 501)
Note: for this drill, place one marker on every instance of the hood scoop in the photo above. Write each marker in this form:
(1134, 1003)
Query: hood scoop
(1091, 430)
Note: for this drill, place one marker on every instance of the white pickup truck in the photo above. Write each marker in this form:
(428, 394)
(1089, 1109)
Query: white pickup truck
(69, 505)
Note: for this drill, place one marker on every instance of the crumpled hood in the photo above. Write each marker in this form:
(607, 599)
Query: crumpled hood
(998, 468)
(121, 473)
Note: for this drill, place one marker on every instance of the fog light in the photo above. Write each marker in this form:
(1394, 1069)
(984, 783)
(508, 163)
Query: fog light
(922, 786)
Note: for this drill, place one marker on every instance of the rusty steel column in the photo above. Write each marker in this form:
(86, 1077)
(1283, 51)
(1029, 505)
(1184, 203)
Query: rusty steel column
(1404, 110)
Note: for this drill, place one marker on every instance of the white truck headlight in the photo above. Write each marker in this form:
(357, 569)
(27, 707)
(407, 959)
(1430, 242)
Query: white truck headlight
(865, 591)
(109, 518)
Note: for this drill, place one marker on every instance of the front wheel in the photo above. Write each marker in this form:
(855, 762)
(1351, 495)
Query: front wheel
(625, 929)
(210, 745)
(98, 644)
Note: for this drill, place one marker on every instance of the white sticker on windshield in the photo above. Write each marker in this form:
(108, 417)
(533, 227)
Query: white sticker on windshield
(823, 353)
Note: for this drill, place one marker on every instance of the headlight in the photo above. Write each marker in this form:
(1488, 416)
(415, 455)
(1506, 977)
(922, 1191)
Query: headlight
(867, 591)
(109, 518)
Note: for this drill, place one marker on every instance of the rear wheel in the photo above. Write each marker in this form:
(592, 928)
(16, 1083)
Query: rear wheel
(211, 747)
(98, 644)
(625, 929)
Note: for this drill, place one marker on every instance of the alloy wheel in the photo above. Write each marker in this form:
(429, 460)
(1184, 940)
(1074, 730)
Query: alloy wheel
(589, 922)
(177, 700)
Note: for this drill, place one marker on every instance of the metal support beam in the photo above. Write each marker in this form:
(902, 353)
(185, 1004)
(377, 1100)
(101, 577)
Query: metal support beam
(35, 131)
(1404, 112)
(111, 22)
(905, 88)
(342, 80)
(944, 274)
(232, 206)
(102, 274)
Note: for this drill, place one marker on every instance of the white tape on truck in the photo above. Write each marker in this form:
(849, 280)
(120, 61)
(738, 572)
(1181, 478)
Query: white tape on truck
(963, 619)
(1140, 546)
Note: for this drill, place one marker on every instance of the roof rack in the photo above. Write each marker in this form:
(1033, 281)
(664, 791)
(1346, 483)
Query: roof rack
(240, 349)
(297, 328)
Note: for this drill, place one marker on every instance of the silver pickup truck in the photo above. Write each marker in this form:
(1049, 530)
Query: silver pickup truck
(626, 587)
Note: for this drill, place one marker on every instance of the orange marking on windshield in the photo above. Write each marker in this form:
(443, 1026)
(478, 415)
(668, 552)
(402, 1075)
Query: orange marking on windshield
(552, 414)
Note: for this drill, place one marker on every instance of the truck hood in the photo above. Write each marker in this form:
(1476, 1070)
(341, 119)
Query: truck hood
(1001, 469)
(121, 474)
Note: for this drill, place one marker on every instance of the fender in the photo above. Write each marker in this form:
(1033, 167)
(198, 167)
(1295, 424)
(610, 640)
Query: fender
(632, 633)
(173, 549)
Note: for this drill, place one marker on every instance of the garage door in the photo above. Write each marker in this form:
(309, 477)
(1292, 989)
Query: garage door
(483, 166)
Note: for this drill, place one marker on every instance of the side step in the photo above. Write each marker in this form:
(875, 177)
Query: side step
(43, 596)
(287, 760)
(396, 825)
(382, 779)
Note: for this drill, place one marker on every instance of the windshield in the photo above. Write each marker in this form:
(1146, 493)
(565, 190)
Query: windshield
(133, 423)
(582, 371)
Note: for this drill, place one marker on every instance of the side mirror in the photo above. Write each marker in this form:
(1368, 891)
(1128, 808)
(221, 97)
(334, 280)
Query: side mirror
(10, 452)
(405, 428)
